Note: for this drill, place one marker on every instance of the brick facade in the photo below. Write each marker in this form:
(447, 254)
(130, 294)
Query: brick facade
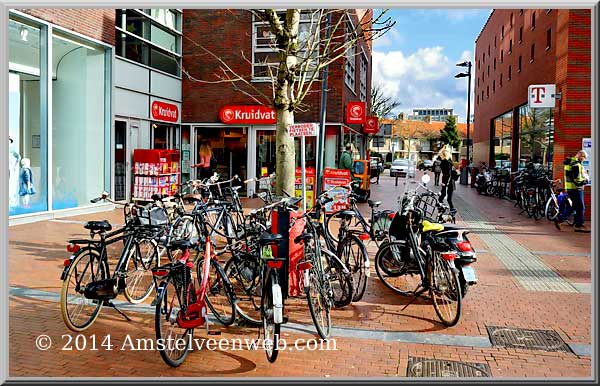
(98, 24)
(566, 63)
(228, 35)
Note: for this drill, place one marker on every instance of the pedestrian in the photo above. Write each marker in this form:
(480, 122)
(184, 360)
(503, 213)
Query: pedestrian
(575, 180)
(437, 170)
(346, 159)
(206, 161)
(448, 182)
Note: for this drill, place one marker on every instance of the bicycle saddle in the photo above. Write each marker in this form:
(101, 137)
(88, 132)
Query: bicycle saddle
(269, 238)
(192, 197)
(103, 225)
(348, 213)
(180, 244)
(373, 204)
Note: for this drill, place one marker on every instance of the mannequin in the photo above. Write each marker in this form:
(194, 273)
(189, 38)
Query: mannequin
(14, 160)
(26, 188)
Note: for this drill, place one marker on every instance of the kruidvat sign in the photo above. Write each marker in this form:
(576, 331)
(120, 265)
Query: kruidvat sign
(355, 112)
(255, 114)
(164, 111)
(542, 95)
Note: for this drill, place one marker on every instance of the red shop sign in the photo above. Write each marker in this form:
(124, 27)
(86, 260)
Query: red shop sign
(371, 125)
(165, 111)
(256, 114)
(355, 112)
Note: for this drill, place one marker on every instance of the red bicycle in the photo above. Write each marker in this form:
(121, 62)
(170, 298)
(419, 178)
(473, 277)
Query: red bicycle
(180, 308)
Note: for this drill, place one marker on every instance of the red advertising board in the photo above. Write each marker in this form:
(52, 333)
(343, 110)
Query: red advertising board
(371, 125)
(254, 114)
(355, 112)
(165, 111)
(337, 177)
(311, 175)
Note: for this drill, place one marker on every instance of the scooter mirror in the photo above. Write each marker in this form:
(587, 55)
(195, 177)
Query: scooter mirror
(425, 179)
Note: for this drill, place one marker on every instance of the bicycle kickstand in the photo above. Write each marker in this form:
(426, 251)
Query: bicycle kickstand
(417, 294)
(207, 323)
(111, 304)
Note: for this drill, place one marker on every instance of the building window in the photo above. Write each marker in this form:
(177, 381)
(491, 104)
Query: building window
(482, 95)
(478, 82)
(500, 79)
(364, 68)
(488, 50)
(503, 130)
(536, 136)
(484, 57)
(520, 12)
(266, 57)
(519, 65)
(494, 64)
(533, 20)
(510, 47)
(502, 33)
(494, 86)
(350, 77)
(479, 64)
(477, 99)
(511, 19)
(509, 73)
(483, 76)
(488, 70)
(501, 56)
(520, 34)
(532, 53)
(151, 37)
(487, 92)
(548, 39)
(495, 38)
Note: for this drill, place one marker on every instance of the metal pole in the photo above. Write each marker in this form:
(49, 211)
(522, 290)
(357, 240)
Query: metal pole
(469, 114)
(321, 139)
(303, 163)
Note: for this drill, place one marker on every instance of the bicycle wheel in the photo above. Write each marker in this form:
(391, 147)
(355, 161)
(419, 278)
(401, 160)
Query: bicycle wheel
(247, 287)
(318, 291)
(219, 296)
(532, 207)
(334, 221)
(175, 339)
(397, 269)
(216, 219)
(354, 254)
(444, 289)
(143, 256)
(340, 279)
(271, 329)
(381, 225)
(79, 312)
(551, 209)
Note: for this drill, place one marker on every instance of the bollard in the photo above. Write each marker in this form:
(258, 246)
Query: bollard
(396, 180)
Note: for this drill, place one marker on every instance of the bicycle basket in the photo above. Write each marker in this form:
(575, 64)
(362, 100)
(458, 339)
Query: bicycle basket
(152, 215)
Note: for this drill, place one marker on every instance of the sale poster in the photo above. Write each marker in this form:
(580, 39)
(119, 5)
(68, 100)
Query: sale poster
(338, 179)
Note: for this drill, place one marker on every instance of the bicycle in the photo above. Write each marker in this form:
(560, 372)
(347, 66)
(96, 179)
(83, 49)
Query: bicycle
(87, 274)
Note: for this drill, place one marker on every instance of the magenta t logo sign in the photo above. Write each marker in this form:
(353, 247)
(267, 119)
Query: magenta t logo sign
(542, 95)
(537, 92)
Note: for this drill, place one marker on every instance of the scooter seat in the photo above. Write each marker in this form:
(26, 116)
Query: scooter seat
(432, 227)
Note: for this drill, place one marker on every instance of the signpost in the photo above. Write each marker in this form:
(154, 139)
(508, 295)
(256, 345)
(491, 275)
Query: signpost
(302, 130)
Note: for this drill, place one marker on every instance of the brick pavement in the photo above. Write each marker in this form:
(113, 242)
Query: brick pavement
(497, 300)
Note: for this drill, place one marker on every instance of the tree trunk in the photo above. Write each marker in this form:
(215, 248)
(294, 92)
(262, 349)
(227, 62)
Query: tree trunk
(286, 154)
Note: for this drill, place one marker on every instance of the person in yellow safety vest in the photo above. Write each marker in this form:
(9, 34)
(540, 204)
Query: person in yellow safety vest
(575, 180)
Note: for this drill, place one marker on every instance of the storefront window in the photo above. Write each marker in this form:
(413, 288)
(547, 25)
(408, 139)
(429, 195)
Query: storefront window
(78, 121)
(27, 184)
(503, 128)
(536, 136)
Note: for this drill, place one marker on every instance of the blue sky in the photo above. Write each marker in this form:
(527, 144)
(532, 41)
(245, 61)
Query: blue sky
(416, 60)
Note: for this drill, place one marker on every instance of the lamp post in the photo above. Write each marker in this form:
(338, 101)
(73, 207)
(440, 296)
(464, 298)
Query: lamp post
(467, 75)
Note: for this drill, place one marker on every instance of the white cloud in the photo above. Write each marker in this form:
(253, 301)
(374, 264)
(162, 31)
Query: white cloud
(424, 78)
(390, 38)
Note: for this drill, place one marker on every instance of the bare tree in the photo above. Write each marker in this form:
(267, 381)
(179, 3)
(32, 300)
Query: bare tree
(302, 44)
(382, 106)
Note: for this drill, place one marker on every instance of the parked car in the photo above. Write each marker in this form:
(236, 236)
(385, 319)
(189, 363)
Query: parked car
(402, 167)
(426, 165)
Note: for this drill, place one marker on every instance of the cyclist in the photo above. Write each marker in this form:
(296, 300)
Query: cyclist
(575, 181)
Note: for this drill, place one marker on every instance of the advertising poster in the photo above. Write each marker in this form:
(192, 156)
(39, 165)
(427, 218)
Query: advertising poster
(336, 177)
(311, 176)
(586, 144)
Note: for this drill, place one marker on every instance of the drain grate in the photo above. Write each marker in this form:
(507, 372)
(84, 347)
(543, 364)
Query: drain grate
(510, 337)
(436, 368)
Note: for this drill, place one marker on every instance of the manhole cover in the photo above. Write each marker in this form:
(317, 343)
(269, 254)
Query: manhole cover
(436, 368)
(510, 337)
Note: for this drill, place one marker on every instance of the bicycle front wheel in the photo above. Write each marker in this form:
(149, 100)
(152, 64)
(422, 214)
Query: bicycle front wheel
(79, 312)
(551, 210)
(272, 330)
(247, 287)
(219, 294)
(397, 268)
(173, 341)
(354, 254)
(340, 280)
(444, 289)
(318, 292)
(333, 223)
(143, 256)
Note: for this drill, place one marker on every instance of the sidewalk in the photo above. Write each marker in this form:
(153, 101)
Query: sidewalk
(374, 336)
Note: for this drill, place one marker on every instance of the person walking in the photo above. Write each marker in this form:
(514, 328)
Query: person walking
(448, 183)
(346, 159)
(437, 170)
(206, 156)
(575, 180)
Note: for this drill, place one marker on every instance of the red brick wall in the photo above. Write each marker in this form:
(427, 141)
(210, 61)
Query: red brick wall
(95, 23)
(228, 35)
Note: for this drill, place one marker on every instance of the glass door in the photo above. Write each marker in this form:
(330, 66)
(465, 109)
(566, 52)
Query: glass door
(120, 160)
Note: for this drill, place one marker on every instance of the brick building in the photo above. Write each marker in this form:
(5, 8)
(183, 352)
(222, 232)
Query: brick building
(247, 147)
(520, 47)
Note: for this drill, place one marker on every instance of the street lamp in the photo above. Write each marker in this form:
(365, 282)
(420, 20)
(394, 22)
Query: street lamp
(467, 75)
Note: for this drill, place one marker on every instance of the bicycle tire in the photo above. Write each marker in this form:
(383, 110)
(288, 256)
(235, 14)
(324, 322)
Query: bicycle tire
(167, 309)
(219, 295)
(271, 343)
(355, 260)
(395, 269)
(246, 305)
(142, 271)
(551, 209)
(441, 276)
(95, 305)
(381, 226)
(316, 295)
(332, 224)
(340, 280)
